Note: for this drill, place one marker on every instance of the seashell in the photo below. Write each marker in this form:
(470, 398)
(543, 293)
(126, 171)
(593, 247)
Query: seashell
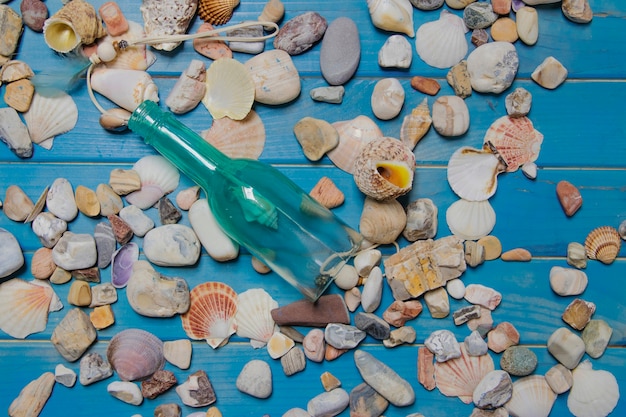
(594, 393)
(603, 244)
(392, 15)
(382, 221)
(532, 397)
(415, 125)
(327, 193)
(76, 23)
(51, 113)
(115, 120)
(273, 11)
(216, 12)
(458, 377)
(353, 135)
(135, 354)
(254, 319)
(14, 70)
(124, 87)
(211, 314)
(17, 205)
(122, 263)
(442, 43)
(384, 169)
(472, 173)
(134, 57)
(387, 98)
(243, 138)
(39, 205)
(230, 89)
(515, 140)
(158, 178)
(471, 220)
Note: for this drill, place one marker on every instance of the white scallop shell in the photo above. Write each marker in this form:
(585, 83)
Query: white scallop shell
(125, 87)
(472, 173)
(158, 178)
(594, 393)
(254, 318)
(532, 397)
(392, 15)
(243, 138)
(52, 112)
(136, 56)
(471, 220)
(442, 43)
(229, 89)
(353, 135)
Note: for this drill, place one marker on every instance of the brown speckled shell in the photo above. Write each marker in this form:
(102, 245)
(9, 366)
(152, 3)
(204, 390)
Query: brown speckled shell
(603, 244)
(216, 12)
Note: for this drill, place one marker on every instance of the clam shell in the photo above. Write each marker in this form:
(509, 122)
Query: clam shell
(532, 397)
(74, 24)
(125, 87)
(122, 263)
(216, 12)
(594, 393)
(384, 169)
(415, 125)
(353, 135)
(254, 318)
(230, 89)
(392, 15)
(471, 220)
(243, 138)
(158, 178)
(135, 57)
(211, 314)
(135, 354)
(382, 221)
(442, 43)
(472, 173)
(24, 306)
(51, 113)
(515, 140)
(603, 244)
(458, 377)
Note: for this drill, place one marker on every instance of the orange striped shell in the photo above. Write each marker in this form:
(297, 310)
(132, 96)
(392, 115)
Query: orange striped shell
(216, 12)
(603, 244)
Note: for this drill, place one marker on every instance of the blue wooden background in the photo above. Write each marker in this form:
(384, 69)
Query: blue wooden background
(584, 123)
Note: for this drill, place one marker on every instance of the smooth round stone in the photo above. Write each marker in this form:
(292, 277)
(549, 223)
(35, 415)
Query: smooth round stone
(300, 33)
(479, 15)
(518, 361)
(333, 95)
(387, 98)
(492, 247)
(313, 345)
(60, 200)
(296, 412)
(186, 197)
(596, 335)
(11, 257)
(275, 77)
(75, 251)
(450, 116)
(340, 52)
(365, 261)
(383, 379)
(396, 52)
(501, 7)
(566, 347)
(17, 205)
(559, 378)
(343, 336)
(126, 391)
(518, 102)
(217, 244)
(443, 345)
(458, 4)
(427, 4)
(329, 403)
(493, 391)
(437, 302)
(504, 30)
(492, 67)
(347, 277)
(550, 73)
(456, 288)
(421, 220)
(365, 401)
(105, 244)
(567, 281)
(137, 220)
(48, 228)
(529, 169)
(255, 379)
(475, 344)
(527, 22)
(154, 295)
(316, 137)
(372, 292)
(172, 245)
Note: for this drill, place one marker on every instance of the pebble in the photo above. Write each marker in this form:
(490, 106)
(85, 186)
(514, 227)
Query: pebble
(105, 244)
(137, 220)
(622, 229)
(399, 312)
(527, 22)
(11, 257)
(501, 7)
(569, 197)
(259, 266)
(372, 290)
(275, 77)
(450, 116)
(353, 298)
(102, 317)
(576, 255)
(328, 404)
(518, 361)
(396, 52)
(365, 401)
(48, 228)
(110, 201)
(329, 381)
(79, 294)
(327, 309)
(217, 244)
(458, 4)
(366, 260)
(75, 251)
(479, 37)
(493, 390)
(87, 201)
(387, 98)
(87, 274)
(314, 345)
(15, 133)
(578, 313)
(340, 52)
(160, 382)
(60, 276)
(247, 47)
(125, 391)
(518, 102)
(529, 169)
(64, 375)
(578, 11)
(17, 205)
(113, 18)
(167, 410)
(596, 335)
(121, 230)
(474, 254)
(456, 288)
(34, 14)
(567, 281)
(464, 314)
(443, 345)
(421, 220)
(504, 30)
(566, 347)
(479, 15)
(11, 30)
(172, 245)
(559, 378)
(168, 212)
(293, 361)
(343, 336)
(492, 67)
(437, 302)
(197, 390)
(502, 337)
(333, 95)
(347, 277)
(425, 85)
(124, 181)
(404, 334)
(483, 324)
(493, 247)
(550, 73)
(475, 344)
(18, 95)
(93, 368)
(178, 352)
(188, 89)
(426, 368)
(383, 379)
(316, 137)
(186, 197)
(483, 296)
(300, 33)
(60, 200)
(516, 255)
(32, 397)
(459, 79)
(427, 4)
(296, 412)
(279, 344)
(372, 325)
(210, 48)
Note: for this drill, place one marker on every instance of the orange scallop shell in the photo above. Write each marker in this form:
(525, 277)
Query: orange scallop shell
(603, 244)
(515, 139)
(216, 12)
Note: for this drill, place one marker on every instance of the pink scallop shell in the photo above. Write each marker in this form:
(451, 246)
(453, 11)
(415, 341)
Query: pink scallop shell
(515, 140)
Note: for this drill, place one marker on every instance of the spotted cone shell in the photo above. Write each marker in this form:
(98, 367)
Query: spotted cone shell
(515, 140)
(603, 244)
(216, 12)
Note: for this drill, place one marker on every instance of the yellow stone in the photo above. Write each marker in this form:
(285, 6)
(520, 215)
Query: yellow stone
(60, 276)
(124, 181)
(213, 412)
(79, 294)
(87, 201)
(493, 247)
(504, 30)
(329, 381)
(19, 95)
(102, 317)
(110, 202)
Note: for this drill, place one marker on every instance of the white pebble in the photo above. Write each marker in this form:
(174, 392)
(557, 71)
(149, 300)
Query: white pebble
(347, 278)
(372, 290)
(217, 244)
(456, 288)
(126, 391)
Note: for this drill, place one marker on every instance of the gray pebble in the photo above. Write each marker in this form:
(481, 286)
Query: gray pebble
(596, 335)
(518, 361)
(475, 344)
(333, 95)
(93, 368)
(48, 228)
(366, 402)
(293, 361)
(328, 403)
(137, 220)
(105, 244)
(75, 251)
(341, 51)
(255, 379)
(168, 212)
(443, 344)
(494, 390)
(343, 336)
(247, 47)
(384, 380)
(396, 52)
(64, 375)
(299, 34)
(11, 257)
(479, 15)
(518, 102)
(373, 325)
(492, 67)
(427, 4)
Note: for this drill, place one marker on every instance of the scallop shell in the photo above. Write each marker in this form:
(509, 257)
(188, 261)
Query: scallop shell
(230, 89)
(532, 397)
(211, 314)
(384, 169)
(415, 125)
(216, 12)
(472, 173)
(471, 220)
(125, 87)
(74, 24)
(458, 377)
(254, 318)
(237, 138)
(594, 393)
(134, 57)
(51, 113)
(158, 178)
(353, 135)
(135, 354)
(442, 43)
(515, 140)
(392, 15)
(122, 263)
(603, 244)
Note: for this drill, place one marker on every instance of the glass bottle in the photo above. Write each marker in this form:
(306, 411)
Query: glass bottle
(256, 205)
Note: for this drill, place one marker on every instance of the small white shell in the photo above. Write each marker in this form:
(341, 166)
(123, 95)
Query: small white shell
(158, 178)
(593, 393)
(51, 113)
(442, 43)
(124, 87)
(254, 317)
(230, 89)
(471, 220)
(472, 173)
(532, 397)
(392, 15)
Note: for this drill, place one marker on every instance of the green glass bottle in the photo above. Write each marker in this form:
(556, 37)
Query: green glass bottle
(256, 205)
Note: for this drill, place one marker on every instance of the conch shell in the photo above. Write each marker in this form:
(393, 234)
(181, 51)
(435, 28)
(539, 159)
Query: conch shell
(392, 15)
(77, 23)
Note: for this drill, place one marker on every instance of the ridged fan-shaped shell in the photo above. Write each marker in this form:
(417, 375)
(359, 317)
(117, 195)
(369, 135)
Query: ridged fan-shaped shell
(353, 135)
(211, 314)
(158, 178)
(135, 354)
(51, 113)
(458, 377)
(603, 244)
(532, 397)
(415, 125)
(515, 140)
(254, 318)
(384, 169)
(238, 138)
(216, 12)
(134, 57)
(471, 220)
(24, 307)
(229, 89)
(392, 15)
(594, 393)
(473, 173)
(442, 43)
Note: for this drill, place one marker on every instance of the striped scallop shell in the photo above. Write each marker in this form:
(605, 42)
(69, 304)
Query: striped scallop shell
(532, 397)
(216, 12)
(51, 113)
(158, 178)
(353, 135)
(472, 173)
(211, 314)
(237, 138)
(442, 43)
(471, 220)
(515, 140)
(135, 354)
(229, 89)
(254, 318)
(24, 306)
(603, 244)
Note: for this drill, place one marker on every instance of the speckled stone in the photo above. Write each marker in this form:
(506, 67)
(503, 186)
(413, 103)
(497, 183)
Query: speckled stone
(596, 335)
(372, 325)
(94, 368)
(465, 314)
(479, 15)
(518, 102)
(197, 390)
(427, 4)
(340, 52)
(365, 401)
(492, 67)
(479, 37)
(493, 391)
(160, 381)
(384, 380)
(443, 344)
(121, 230)
(300, 33)
(459, 79)
(329, 403)
(343, 336)
(73, 335)
(518, 361)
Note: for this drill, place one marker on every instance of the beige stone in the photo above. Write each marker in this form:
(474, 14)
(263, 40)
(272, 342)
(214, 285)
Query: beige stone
(504, 29)
(87, 201)
(19, 95)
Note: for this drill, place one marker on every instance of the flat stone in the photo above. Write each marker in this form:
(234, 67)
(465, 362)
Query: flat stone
(443, 344)
(211, 49)
(121, 230)
(172, 245)
(275, 76)
(300, 33)
(479, 15)
(329, 381)
(64, 375)
(383, 379)
(483, 296)
(15, 133)
(475, 345)
(516, 255)
(371, 294)
(450, 116)
(493, 247)
(550, 73)
(178, 352)
(504, 30)
(218, 244)
(426, 368)
(437, 302)
(105, 244)
(569, 197)
(343, 336)
(125, 391)
(518, 361)
(483, 324)
(576, 255)
(48, 228)
(18, 95)
(73, 335)
(124, 181)
(425, 85)
(387, 98)
(456, 288)
(372, 325)
(493, 391)
(75, 251)
(60, 276)
(527, 21)
(94, 368)
(160, 381)
(292, 333)
(578, 11)
(60, 200)
(11, 257)
(329, 403)
(137, 220)
(518, 102)
(503, 336)
(559, 378)
(427, 4)
(399, 312)
(578, 313)
(32, 397)
(340, 52)
(396, 52)
(167, 410)
(465, 314)
(459, 79)
(102, 317)
(567, 281)
(327, 309)
(566, 347)
(596, 335)
(492, 67)
(316, 137)
(404, 334)
(293, 361)
(247, 47)
(168, 212)
(87, 201)
(110, 201)
(186, 197)
(296, 412)
(333, 95)
(314, 345)
(365, 401)
(152, 294)
(11, 27)
(103, 294)
(197, 390)
(17, 205)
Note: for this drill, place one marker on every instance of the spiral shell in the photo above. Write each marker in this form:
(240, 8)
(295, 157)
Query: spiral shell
(216, 12)
(135, 354)
(392, 15)
(74, 24)
(415, 125)
(603, 244)
(515, 140)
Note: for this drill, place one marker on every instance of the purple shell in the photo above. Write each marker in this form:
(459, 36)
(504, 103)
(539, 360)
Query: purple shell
(517, 4)
(122, 264)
